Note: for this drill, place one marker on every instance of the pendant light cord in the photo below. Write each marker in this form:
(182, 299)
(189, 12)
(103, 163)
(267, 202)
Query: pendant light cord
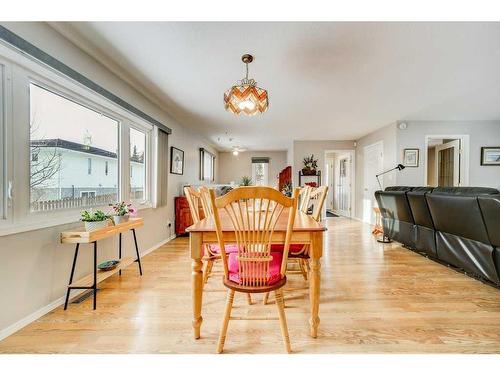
(247, 70)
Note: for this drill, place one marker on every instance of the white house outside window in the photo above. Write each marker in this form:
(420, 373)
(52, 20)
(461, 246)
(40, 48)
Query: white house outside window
(67, 138)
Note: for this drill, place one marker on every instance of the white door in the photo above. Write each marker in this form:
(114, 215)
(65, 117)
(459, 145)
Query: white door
(343, 186)
(373, 160)
(330, 181)
(448, 164)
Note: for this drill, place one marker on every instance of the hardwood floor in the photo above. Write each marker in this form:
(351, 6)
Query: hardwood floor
(375, 299)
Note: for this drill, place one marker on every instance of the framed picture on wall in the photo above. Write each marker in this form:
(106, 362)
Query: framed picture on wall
(410, 157)
(490, 155)
(176, 160)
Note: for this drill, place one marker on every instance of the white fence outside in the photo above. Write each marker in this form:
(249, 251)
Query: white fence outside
(79, 202)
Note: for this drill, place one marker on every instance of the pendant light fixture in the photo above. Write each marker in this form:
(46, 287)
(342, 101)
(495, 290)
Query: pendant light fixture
(246, 97)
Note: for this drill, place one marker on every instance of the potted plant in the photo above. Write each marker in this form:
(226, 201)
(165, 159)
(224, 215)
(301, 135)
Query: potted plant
(310, 166)
(122, 212)
(287, 189)
(94, 220)
(246, 181)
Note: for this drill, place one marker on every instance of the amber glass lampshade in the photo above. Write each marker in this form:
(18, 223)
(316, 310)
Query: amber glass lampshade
(246, 97)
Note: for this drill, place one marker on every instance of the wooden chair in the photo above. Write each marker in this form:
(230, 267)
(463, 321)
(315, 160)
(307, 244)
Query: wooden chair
(195, 198)
(212, 252)
(253, 213)
(304, 198)
(299, 253)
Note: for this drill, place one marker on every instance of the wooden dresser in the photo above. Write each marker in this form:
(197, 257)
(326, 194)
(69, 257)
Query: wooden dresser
(182, 215)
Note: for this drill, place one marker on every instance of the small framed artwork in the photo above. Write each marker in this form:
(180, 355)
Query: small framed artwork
(490, 155)
(176, 160)
(410, 158)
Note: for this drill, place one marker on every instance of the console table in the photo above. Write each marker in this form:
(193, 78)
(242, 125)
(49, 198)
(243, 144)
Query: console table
(84, 237)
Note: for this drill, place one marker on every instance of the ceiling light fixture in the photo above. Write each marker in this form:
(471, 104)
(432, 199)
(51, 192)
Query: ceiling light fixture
(236, 150)
(246, 97)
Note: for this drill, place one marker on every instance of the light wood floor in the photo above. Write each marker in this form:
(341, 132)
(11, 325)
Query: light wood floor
(375, 298)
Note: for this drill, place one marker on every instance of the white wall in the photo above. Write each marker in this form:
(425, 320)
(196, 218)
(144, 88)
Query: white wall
(481, 134)
(35, 267)
(387, 135)
(232, 168)
(301, 149)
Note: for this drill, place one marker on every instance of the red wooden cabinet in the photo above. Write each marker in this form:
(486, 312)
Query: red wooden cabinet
(183, 217)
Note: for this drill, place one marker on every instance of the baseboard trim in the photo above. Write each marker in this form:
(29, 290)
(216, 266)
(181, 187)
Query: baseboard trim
(13, 328)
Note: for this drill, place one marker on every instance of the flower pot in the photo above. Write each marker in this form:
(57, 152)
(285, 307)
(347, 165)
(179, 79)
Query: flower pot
(95, 225)
(308, 172)
(120, 219)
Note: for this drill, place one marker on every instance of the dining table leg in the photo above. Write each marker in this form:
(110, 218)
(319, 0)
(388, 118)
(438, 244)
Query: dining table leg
(195, 245)
(316, 253)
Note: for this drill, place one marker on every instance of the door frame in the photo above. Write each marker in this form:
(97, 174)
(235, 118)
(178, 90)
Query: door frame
(380, 144)
(464, 159)
(352, 191)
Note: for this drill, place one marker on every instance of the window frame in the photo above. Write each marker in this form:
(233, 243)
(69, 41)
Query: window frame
(204, 151)
(266, 173)
(21, 70)
(148, 164)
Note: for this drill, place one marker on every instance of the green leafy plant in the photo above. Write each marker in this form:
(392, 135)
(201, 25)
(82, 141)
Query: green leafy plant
(287, 189)
(310, 162)
(246, 181)
(89, 215)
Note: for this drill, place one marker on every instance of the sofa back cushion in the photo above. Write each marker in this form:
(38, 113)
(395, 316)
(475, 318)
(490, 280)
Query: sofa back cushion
(465, 190)
(394, 205)
(490, 207)
(457, 214)
(419, 208)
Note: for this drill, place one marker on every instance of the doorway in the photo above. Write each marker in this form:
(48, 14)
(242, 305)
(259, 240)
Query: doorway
(446, 162)
(373, 157)
(339, 167)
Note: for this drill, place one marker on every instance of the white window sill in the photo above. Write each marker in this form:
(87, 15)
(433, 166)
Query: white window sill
(52, 220)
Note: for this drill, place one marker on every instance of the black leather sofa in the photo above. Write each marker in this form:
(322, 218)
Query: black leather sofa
(459, 226)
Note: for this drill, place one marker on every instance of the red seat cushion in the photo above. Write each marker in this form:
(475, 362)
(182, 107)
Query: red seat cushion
(230, 248)
(274, 268)
(294, 247)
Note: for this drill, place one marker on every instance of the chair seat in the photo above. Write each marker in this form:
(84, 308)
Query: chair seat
(230, 248)
(274, 275)
(294, 248)
(254, 289)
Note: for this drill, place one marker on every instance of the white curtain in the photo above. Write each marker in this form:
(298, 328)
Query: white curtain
(162, 169)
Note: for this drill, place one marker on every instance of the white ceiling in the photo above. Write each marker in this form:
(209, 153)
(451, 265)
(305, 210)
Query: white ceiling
(325, 80)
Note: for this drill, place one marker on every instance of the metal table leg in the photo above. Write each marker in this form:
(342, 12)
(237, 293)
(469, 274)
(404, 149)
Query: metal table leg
(71, 276)
(137, 252)
(95, 274)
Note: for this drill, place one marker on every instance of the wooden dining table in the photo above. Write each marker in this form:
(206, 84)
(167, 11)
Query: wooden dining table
(306, 230)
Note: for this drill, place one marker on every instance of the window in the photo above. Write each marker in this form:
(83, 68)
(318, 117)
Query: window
(207, 165)
(64, 137)
(66, 143)
(2, 141)
(137, 164)
(87, 194)
(260, 171)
